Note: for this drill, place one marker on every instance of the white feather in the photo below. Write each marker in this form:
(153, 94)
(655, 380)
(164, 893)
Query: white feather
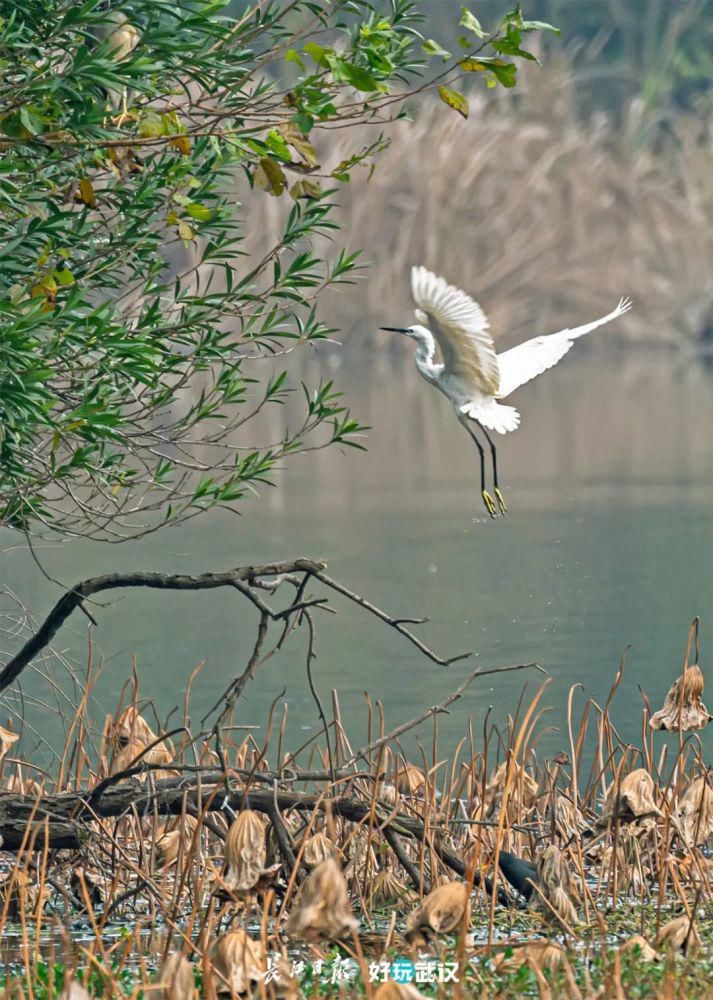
(461, 329)
(522, 363)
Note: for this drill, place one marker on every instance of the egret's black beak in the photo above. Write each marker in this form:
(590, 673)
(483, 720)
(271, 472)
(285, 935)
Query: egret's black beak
(394, 329)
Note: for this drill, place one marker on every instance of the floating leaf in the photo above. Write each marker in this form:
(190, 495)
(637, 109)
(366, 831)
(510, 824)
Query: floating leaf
(454, 100)
(471, 22)
(432, 48)
(269, 177)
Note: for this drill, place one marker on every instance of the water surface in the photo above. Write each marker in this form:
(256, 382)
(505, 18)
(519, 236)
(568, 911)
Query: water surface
(608, 541)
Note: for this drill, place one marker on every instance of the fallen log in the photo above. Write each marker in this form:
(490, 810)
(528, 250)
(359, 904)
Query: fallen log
(173, 796)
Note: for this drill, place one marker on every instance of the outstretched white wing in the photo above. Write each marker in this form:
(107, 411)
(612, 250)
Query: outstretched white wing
(461, 328)
(522, 363)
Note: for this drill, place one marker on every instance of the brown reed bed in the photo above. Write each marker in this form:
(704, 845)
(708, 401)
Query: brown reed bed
(543, 215)
(170, 866)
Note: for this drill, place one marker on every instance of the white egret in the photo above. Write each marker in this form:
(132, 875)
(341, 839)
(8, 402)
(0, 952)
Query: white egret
(472, 375)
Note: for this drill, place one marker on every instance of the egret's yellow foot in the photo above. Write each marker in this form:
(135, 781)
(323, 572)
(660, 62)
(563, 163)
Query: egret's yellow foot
(501, 501)
(489, 505)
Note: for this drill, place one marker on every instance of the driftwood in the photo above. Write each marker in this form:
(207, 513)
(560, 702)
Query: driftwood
(66, 818)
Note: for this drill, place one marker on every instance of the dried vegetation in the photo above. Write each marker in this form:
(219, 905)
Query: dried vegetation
(190, 879)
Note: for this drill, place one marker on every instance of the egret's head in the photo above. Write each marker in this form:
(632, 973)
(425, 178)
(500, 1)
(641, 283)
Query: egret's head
(415, 332)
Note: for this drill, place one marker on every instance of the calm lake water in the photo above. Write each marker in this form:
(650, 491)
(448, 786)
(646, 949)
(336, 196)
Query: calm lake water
(609, 541)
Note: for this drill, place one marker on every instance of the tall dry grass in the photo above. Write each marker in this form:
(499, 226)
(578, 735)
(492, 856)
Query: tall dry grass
(543, 216)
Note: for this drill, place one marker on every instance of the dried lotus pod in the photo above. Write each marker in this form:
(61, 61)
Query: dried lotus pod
(635, 798)
(682, 707)
(695, 811)
(7, 741)
(131, 727)
(245, 854)
(409, 779)
(176, 837)
(542, 954)
(522, 796)
(568, 818)
(318, 848)
(637, 942)
(443, 910)
(679, 934)
(174, 979)
(555, 887)
(386, 887)
(134, 754)
(23, 786)
(322, 908)
(239, 961)
(388, 793)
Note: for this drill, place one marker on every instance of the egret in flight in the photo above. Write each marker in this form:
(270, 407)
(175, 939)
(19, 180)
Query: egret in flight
(471, 374)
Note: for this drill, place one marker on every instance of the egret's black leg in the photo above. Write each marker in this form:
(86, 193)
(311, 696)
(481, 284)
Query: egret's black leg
(494, 454)
(487, 499)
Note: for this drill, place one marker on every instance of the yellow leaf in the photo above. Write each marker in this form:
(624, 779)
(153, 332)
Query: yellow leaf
(86, 193)
(185, 231)
(182, 143)
(299, 142)
(269, 177)
(306, 189)
(150, 125)
(472, 66)
(454, 100)
(171, 219)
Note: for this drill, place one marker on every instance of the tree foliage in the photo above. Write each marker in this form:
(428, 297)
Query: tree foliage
(138, 335)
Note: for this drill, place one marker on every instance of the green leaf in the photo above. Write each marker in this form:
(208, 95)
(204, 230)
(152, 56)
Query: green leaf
(269, 177)
(318, 53)
(304, 122)
(504, 72)
(63, 276)
(277, 145)
(358, 77)
(31, 120)
(471, 22)
(432, 48)
(454, 100)
(539, 26)
(200, 212)
(293, 56)
(151, 125)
